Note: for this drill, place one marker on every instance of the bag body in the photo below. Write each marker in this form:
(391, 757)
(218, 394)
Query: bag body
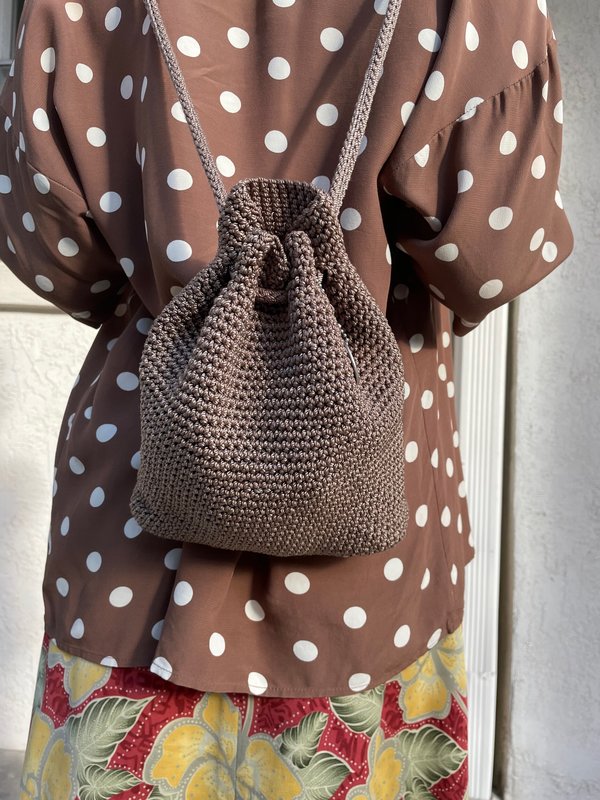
(271, 385)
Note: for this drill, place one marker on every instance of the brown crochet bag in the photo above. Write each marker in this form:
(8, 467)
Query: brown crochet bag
(271, 385)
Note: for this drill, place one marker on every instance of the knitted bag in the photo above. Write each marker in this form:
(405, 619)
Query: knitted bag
(271, 385)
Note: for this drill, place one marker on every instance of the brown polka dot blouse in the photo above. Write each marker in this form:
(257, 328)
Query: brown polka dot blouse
(453, 209)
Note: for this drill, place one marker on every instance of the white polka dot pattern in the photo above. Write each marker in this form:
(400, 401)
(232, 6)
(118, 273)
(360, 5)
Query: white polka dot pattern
(402, 636)
(162, 667)
(332, 39)
(120, 597)
(84, 73)
(254, 610)
(435, 85)
(492, 141)
(472, 153)
(305, 650)
(471, 36)
(216, 644)
(275, 141)
(355, 617)
(257, 683)
(238, 37)
(77, 629)
(183, 593)
(132, 529)
(393, 569)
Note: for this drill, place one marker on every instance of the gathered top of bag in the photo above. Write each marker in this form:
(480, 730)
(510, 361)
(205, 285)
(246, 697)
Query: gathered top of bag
(271, 385)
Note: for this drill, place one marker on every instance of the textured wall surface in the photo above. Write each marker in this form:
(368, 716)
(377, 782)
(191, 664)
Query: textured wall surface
(552, 722)
(40, 354)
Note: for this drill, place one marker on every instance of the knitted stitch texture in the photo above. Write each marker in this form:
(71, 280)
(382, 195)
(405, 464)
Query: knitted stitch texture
(271, 385)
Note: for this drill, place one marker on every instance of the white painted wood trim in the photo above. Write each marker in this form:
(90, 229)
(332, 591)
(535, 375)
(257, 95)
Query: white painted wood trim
(7, 20)
(480, 366)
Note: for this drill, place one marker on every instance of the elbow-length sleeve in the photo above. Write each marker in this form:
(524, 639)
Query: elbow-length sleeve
(476, 207)
(48, 237)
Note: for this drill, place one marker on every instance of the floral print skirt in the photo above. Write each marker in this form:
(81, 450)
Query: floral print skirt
(100, 732)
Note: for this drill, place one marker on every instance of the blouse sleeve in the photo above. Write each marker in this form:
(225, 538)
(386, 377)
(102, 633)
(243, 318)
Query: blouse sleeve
(48, 237)
(477, 207)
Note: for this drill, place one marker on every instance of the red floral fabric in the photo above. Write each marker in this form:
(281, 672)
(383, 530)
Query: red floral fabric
(99, 731)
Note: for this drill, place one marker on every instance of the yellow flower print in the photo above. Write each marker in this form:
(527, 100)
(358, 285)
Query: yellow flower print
(40, 731)
(48, 769)
(179, 746)
(208, 782)
(386, 768)
(424, 693)
(222, 716)
(452, 655)
(194, 758)
(427, 685)
(55, 781)
(28, 788)
(385, 780)
(264, 773)
(210, 734)
(81, 677)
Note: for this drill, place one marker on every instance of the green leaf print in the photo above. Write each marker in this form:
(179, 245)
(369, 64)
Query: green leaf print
(156, 794)
(323, 776)
(429, 755)
(419, 791)
(300, 743)
(361, 712)
(100, 784)
(101, 726)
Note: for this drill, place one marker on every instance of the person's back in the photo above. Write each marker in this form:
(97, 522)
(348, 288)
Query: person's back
(453, 209)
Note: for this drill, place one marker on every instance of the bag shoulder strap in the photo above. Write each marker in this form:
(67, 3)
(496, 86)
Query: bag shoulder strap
(358, 124)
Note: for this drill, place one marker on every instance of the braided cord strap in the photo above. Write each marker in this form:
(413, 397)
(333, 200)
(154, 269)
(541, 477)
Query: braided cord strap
(362, 109)
(208, 162)
(358, 124)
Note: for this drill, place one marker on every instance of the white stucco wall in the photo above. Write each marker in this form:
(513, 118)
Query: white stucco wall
(40, 354)
(553, 722)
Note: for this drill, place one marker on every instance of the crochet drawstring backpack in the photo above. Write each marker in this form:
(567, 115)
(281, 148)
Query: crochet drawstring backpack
(272, 385)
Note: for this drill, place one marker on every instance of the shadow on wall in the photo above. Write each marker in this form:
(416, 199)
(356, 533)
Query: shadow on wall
(11, 762)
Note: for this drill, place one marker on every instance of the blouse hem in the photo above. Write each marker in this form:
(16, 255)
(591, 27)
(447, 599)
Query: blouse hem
(453, 621)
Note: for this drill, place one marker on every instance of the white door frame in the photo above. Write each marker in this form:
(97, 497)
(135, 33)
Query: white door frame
(480, 368)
